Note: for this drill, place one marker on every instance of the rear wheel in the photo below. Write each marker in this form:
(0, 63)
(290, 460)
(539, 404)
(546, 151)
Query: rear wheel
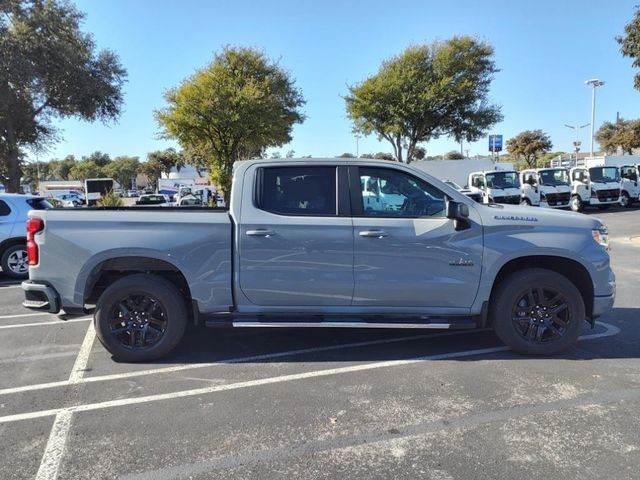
(14, 262)
(576, 204)
(537, 312)
(140, 317)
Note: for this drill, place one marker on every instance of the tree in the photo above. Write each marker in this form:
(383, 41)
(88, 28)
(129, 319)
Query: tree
(346, 155)
(49, 69)
(624, 134)
(630, 44)
(290, 154)
(453, 155)
(59, 169)
(122, 170)
(529, 145)
(99, 158)
(85, 169)
(426, 92)
(153, 170)
(239, 104)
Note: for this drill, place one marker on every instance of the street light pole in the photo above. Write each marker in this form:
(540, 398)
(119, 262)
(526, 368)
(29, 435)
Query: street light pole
(576, 143)
(595, 83)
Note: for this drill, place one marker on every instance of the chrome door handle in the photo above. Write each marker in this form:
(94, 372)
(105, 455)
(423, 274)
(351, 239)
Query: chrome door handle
(260, 233)
(373, 233)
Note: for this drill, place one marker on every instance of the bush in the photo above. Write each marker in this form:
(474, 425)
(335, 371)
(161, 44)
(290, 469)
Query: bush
(110, 199)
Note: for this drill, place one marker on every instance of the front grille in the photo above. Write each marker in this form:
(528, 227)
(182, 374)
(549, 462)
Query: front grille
(558, 198)
(512, 199)
(605, 195)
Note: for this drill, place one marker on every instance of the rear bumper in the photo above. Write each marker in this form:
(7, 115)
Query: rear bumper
(39, 296)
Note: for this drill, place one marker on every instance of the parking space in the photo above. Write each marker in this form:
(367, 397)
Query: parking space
(324, 403)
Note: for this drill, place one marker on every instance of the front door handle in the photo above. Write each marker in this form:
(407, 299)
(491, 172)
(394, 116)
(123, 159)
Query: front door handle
(260, 233)
(373, 233)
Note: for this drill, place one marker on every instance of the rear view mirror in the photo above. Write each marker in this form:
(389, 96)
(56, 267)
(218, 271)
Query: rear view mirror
(459, 213)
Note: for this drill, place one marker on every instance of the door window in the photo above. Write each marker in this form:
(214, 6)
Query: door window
(392, 193)
(4, 209)
(297, 190)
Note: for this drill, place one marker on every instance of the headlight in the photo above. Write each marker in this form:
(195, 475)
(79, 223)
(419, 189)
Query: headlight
(601, 236)
(594, 194)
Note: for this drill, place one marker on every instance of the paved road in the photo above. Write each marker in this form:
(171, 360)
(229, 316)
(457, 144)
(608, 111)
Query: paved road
(324, 404)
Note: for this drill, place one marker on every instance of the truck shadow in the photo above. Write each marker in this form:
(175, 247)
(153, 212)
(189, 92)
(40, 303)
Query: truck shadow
(614, 337)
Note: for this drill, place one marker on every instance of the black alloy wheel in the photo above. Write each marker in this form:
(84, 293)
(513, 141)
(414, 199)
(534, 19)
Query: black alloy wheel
(541, 315)
(138, 321)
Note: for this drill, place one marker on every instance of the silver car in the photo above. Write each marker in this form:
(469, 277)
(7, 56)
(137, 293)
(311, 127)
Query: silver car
(13, 217)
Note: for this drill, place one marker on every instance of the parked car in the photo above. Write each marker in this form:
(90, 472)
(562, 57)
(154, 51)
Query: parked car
(67, 198)
(155, 199)
(297, 248)
(13, 235)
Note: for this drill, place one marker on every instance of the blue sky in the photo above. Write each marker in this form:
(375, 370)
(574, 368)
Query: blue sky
(545, 50)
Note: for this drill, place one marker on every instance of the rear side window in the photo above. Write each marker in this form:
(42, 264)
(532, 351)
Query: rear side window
(297, 190)
(4, 209)
(38, 203)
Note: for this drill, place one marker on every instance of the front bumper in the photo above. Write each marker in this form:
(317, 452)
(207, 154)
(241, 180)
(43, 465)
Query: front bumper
(602, 305)
(39, 296)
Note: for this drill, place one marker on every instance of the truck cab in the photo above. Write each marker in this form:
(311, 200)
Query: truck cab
(629, 189)
(496, 186)
(595, 186)
(546, 187)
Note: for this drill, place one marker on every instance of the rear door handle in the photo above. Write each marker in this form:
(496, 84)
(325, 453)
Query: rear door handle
(373, 233)
(260, 233)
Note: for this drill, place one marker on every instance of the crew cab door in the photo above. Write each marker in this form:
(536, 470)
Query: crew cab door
(407, 253)
(295, 237)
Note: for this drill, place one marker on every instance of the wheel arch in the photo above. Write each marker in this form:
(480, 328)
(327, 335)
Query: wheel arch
(571, 269)
(9, 242)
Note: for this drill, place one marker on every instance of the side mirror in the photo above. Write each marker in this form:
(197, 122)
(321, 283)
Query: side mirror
(459, 213)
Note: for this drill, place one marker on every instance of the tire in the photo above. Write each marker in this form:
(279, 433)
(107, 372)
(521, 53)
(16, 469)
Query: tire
(140, 318)
(542, 332)
(603, 207)
(525, 202)
(625, 200)
(14, 262)
(576, 204)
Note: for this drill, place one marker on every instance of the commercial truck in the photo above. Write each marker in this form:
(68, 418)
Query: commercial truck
(496, 186)
(300, 247)
(594, 186)
(546, 187)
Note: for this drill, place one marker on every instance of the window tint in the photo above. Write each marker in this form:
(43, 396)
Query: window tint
(391, 193)
(298, 190)
(38, 203)
(4, 209)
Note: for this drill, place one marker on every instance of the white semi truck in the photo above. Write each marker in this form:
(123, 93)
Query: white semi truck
(594, 186)
(546, 187)
(496, 186)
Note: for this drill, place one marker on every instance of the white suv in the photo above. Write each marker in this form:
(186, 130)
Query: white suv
(13, 235)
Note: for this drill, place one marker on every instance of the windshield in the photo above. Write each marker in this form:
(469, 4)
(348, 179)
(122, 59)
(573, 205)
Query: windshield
(503, 180)
(604, 174)
(554, 177)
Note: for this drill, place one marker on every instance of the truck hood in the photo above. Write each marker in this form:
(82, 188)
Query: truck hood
(517, 215)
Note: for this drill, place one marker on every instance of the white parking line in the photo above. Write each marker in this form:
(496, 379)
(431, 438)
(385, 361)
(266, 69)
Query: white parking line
(20, 315)
(54, 450)
(611, 330)
(40, 324)
(253, 358)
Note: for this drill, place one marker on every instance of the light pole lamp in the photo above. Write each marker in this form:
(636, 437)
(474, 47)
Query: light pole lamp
(595, 83)
(576, 143)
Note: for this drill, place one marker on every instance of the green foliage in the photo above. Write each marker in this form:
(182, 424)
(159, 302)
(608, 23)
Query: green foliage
(99, 158)
(234, 108)
(630, 43)
(49, 69)
(453, 155)
(624, 134)
(85, 169)
(59, 169)
(122, 170)
(529, 145)
(109, 199)
(346, 155)
(426, 92)
(378, 156)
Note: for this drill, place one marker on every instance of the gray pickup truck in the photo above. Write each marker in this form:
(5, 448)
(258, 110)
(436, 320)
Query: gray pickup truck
(323, 243)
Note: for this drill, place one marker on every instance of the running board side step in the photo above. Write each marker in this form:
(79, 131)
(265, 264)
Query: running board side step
(337, 324)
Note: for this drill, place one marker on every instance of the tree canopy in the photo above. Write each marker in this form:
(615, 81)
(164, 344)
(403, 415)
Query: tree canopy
(529, 145)
(426, 92)
(49, 68)
(122, 169)
(630, 43)
(232, 109)
(623, 134)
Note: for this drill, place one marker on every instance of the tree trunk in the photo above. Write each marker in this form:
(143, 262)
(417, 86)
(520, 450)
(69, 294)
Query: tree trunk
(13, 185)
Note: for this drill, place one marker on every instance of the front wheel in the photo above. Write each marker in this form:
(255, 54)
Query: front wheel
(625, 200)
(537, 312)
(15, 263)
(525, 202)
(140, 317)
(576, 204)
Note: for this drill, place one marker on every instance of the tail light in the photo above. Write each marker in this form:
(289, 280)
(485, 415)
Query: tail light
(34, 225)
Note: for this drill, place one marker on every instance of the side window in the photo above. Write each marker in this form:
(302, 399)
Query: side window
(478, 181)
(4, 209)
(297, 190)
(392, 193)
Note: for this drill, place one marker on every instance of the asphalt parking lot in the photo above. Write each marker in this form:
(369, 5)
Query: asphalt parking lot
(324, 403)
